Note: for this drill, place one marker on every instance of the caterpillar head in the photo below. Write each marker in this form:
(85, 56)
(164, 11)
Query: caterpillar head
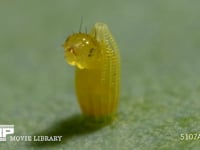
(82, 51)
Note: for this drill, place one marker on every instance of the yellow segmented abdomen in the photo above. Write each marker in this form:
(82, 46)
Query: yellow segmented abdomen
(98, 88)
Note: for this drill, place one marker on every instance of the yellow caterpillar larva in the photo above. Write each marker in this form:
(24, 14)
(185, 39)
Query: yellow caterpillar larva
(97, 62)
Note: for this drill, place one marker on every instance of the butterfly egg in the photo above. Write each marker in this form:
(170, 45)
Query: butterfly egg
(96, 58)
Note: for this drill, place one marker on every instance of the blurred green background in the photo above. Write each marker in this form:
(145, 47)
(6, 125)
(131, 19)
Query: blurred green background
(159, 46)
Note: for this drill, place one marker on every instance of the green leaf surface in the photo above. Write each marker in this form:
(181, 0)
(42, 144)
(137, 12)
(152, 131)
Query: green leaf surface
(160, 78)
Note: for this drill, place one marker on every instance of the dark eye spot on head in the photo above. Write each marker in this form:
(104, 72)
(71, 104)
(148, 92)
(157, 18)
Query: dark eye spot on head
(72, 50)
(91, 52)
